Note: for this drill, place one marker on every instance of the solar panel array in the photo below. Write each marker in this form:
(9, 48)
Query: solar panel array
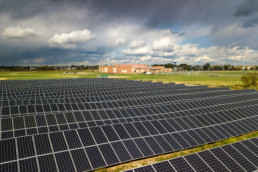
(86, 124)
(239, 156)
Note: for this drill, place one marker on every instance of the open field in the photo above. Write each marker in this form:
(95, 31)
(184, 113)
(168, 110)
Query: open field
(230, 79)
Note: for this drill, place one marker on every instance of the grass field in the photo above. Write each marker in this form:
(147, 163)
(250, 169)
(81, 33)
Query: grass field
(230, 79)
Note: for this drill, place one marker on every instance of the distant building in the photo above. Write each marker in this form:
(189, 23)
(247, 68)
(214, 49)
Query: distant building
(129, 68)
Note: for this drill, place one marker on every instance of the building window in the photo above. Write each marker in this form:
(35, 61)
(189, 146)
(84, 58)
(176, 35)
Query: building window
(124, 71)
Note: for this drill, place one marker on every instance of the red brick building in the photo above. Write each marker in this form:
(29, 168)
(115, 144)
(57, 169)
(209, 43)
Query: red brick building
(128, 68)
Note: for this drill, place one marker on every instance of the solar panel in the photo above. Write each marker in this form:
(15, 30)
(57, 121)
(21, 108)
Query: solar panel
(94, 123)
(231, 157)
(28, 165)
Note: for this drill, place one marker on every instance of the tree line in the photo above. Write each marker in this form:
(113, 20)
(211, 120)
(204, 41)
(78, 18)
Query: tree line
(207, 66)
(46, 68)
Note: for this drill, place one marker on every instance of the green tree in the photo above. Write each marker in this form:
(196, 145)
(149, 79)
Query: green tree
(206, 66)
(250, 79)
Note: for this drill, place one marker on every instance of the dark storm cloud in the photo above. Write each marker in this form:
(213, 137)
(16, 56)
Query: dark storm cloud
(164, 13)
(24, 8)
(251, 22)
(151, 12)
(218, 21)
(247, 8)
(48, 56)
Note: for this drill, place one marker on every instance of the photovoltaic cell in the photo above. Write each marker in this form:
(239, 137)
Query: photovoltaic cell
(9, 167)
(6, 124)
(42, 144)
(212, 161)
(80, 160)
(121, 151)
(108, 154)
(173, 143)
(47, 163)
(133, 149)
(163, 143)
(181, 164)
(164, 166)
(7, 150)
(121, 131)
(229, 162)
(64, 161)
(58, 141)
(240, 159)
(30, 121)
(110, 133)
(18, 123)
(98, 135)
(72, 139)
(131, 130)
(86, 137)
(95, 157)
(142, 145)
(195, 161)
(25, 147)
(180, 140)
(154, 145)
(145, 169)
(246, 152)
(28, 165)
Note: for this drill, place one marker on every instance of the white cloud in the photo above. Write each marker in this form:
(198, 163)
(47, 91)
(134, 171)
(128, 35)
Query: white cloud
(145, 58)
(136, 43)
(134, 60)
(120, 41)
(18, 33)
(138, 51)
(69, 40)
(204, 59)
(163, 43)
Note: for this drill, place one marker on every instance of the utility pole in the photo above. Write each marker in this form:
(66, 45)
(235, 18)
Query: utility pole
(243, 63)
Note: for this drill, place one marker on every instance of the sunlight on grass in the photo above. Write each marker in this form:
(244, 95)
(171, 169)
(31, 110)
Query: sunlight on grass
(230, 79)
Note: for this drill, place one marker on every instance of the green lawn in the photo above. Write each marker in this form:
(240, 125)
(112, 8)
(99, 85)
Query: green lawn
(224, 79)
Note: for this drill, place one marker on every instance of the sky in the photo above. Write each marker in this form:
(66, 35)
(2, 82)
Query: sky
(108, 32)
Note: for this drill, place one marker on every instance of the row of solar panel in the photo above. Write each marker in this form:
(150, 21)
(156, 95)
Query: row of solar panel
(139, 96)
(61, 121)
(90, 88)
(94, 86)
(239, 156)
(9, 86)
(48, 108)
(99, 93)
(70, 82)
(103, 97)
(223, 114)
(99, 150)
(152, 127)
(114, 97)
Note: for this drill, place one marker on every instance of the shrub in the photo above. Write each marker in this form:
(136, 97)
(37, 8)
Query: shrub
(250, 79)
